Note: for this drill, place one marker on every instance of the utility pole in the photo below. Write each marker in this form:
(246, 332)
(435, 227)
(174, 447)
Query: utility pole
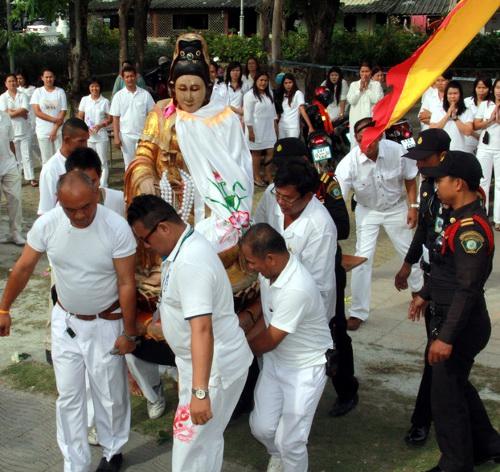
(242, 19)
(9, 38)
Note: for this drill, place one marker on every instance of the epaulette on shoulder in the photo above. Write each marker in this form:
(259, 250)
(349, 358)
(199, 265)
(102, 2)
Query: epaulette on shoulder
(467, 222)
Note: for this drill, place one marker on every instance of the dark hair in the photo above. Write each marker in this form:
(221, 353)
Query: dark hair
(72, 124)
(376, 70)
(82, 159)
(363, 123)
(47, 69)
(149, 210)
(9, 75)
(336, 89)
(70, 178)
(447, 74)
(255, 89)
(493, 89)
(129, 69)
(460, 105)
(94, 80)
(263, 239)
(251, 58)
(127, 61)
(26, 78)
(487, 82)
(296, 171)
(365, 64)
(230, 67)
(282, 91)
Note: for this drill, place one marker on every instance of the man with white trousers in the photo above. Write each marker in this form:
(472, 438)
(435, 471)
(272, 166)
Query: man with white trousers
(378, 177)
(293, 338)
(94, 314)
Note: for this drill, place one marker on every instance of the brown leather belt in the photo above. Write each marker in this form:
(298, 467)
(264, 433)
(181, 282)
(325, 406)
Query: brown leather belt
(105, 315)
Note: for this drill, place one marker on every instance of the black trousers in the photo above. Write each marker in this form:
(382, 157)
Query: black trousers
(344, 382)
(422, 415)
(463, 429)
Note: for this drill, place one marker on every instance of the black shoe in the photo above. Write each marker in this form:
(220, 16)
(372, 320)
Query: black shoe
(417, 435)
(113, 465)
(342, 408)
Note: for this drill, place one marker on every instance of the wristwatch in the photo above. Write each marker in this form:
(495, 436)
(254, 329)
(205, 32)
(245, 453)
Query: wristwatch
(199, 393)
(414, 205)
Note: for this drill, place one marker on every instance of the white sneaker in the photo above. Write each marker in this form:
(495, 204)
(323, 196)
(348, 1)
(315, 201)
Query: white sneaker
(157, 408)
(92, 438)
(17, 239)
(275, 464)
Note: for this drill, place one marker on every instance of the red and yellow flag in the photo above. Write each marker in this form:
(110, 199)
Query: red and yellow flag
(411, 78)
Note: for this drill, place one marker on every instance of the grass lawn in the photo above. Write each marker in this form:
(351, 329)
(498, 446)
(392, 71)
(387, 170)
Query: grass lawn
(370, 439)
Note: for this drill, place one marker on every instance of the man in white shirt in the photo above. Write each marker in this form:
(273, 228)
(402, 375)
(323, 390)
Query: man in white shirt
(293, 338)
(362, 96)
(96, 294)
(201, 328)
(16, 105)
(290, 206)
(129, 109)
(75, 134)
(10, 180)
(49, 106)
(377, 178)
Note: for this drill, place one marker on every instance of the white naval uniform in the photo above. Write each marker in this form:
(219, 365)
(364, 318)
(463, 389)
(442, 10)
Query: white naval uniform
(194, 283)
(312, 237)
(378, 187)
(50, 103)
(87, 284)
(488, 156)
(289, 124)
(22, 130)
(293, 376)
(132, 108)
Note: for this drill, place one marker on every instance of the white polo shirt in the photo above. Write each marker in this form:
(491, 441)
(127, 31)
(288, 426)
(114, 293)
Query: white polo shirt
(115, 200)
(132, 108)
(457, 138)
(49, 176)
(50, 103)
(484, 112)
(82, 258)
(290, 118)
(194, 283)
(312, 238)
(8, 161)
(20, 100)
(293, 304)
(95, 113)
(378, 185)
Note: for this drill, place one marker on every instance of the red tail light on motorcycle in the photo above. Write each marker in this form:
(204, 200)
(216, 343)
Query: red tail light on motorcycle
(318, 140)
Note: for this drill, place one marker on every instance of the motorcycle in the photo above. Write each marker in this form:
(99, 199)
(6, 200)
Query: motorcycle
(402, 133)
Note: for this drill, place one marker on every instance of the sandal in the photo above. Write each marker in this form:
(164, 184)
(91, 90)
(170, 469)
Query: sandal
(260, 183)
(34, 183)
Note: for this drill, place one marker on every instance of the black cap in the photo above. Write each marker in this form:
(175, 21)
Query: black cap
(431, 141)
(463, 165)
(287, 147)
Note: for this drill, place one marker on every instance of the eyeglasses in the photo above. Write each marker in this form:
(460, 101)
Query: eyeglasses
(145, 239)
(288, 201)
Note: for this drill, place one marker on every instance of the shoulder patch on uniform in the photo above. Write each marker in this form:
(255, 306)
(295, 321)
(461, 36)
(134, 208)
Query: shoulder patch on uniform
(466, 223)
(471, 241)
(333, 190)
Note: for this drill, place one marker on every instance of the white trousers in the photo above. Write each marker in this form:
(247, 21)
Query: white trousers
(201, 447)
(102, 150)
(289, 132)
(489, 160)
(88, 351)
(48, 148)
(129, 144)
(147, 376)
(23, 156)
(368, 223)
(10, 185)
(285, 402)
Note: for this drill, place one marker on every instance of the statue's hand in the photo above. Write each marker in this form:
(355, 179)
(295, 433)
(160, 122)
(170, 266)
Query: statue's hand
(147, 187)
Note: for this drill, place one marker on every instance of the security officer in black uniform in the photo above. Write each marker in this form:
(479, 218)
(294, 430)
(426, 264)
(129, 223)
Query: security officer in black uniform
(461, 262)
(432, 218)
(329, 193)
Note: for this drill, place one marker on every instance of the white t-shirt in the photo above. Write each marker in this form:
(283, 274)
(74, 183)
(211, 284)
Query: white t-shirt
(457, 142)
(333, 109)
(484, 112)
(7, 159)
(430, 102)
(114, 200)
(95, 113)
(471, 142)
(293, 304)
(82, 258)
(132, 108)
(377, 185)
(50, 103)
(290, 118)
(7, 102)
(194, 283)
(29, 91)
(312, 237)
(49, 176)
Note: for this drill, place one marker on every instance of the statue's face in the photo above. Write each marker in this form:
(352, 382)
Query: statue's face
(190, 92)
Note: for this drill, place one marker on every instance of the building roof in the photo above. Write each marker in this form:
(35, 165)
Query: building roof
(112, 5)
(399, 7)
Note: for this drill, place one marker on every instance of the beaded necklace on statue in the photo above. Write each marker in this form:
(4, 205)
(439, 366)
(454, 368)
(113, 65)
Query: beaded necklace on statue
(168, 194)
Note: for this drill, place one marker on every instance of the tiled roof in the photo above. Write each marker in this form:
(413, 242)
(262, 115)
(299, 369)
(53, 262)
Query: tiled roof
(399, 7)
(107, 5)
